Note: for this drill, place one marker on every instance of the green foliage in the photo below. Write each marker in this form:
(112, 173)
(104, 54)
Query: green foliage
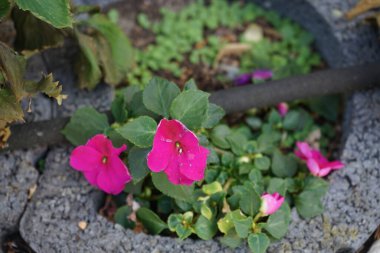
(180, 192)
(150, 220)
(56, 13)
(84, 124)
(137, 163)
(5, 7)
(140, 131)
(258, 243)
(121, 217)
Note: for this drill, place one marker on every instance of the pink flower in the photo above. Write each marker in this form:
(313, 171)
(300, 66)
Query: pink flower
(262, 74)
(318, 165)
(270, 203)
(282, 109)
(176, 151)
(100, 163)
(246, 78)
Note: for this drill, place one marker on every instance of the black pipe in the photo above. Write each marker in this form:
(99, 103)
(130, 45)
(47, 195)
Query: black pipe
(237, 99)
(318, 83)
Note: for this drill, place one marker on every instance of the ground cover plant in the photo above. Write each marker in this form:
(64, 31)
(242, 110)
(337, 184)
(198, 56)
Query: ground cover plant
(173, 167)
(214, 42)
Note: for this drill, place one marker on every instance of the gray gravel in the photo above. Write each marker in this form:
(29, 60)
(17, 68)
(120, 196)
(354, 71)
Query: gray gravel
(63, 198)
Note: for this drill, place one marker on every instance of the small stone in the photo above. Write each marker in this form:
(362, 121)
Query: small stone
(254, 33)
(82, 225)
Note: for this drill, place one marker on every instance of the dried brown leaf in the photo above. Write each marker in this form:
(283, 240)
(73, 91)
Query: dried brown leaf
(361, 7)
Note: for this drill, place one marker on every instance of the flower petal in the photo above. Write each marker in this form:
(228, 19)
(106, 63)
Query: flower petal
(313, 167)
(262, 74)
(170, 130)
(336, 165)
(162, 152)
(113, 179)
(193, 164)
(174, 174)
(304, 150)
(85, 158)
(91, 177)
(101, 143)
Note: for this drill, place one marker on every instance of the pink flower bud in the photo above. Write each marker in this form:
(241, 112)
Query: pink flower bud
(282, 109)
(270, 203)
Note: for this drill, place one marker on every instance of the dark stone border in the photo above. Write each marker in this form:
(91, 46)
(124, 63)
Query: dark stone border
(63, 198)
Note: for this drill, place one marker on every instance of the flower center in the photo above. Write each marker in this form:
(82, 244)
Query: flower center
(104, 159)
(179, 148)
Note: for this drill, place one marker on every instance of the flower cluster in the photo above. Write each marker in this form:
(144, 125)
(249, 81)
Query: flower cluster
(318, 165)
(247, 78)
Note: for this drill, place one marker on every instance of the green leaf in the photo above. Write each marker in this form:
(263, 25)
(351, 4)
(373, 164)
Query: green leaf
(205, 228)
(190, 107)
(47, 86)
(238, 143)
(190, 85)
(309, 203)
(86, 65)
(326, 106)
(283, 165)
(137, 107)
(297, 120)
(277, 224)
(137, 163)
(84, 124)
(10, 108)
(57, 13)
(206, 211)
(180, 192)
(212, 188)
(12, 67)
(114, 50)
(262, 163)
(250, 201)
(181, 224)
(277, 185)
(121, 217)
(214, 115)
(5, 6)
(150, 220)
(242, 223)
(159, 95)
(258, 243)
(119, 112)
(140, 131)
(36, 38)
(231, 239)
(225, 224)
(218, 136)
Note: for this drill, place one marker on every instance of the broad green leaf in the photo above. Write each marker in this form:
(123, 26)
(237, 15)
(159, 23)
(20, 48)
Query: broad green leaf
(214, 115)
(219, 134)
(119, 58)
(47, 86)
(121, 217)
(326, 106)
(119, 112)
(225, 224)
(258, 243)
(277, 185)
(140, 131)
(205, 228)
(40, 37)
(5, 6)
(297, 120)
(231, 239)
(262, 163)
(283, 165)
(84, 124)
(237, 142)
(190, 107)
(159, 94)
(150, 220)
(254, 122)
(10, 108)
(212, 188)
(137, 107)
(12, 67)
(206, 211)
(57, 12)
(242, 223)
(180, 192)
(309, 203)
(249, 200)
(277, 224)
(137, 163)
(190, 85)
(86, 66)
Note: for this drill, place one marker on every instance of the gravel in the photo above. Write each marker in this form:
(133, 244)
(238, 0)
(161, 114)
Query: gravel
(63, 198)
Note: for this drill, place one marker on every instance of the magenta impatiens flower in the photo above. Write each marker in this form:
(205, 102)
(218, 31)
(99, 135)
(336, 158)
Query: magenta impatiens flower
(270, 203)
(100, 163)
(282, 109)
(176, 152)
(260, 74)
(318, 165)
